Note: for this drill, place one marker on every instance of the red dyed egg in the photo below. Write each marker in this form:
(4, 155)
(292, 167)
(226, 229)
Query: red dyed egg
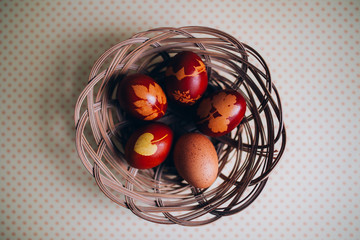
(220, 112)
(186, 78)
(149, 146)
(142, 97)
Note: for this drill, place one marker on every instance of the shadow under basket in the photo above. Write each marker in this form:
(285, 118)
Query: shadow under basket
(247, 155)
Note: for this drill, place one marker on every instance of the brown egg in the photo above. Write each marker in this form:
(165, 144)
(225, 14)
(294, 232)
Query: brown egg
(196, 159)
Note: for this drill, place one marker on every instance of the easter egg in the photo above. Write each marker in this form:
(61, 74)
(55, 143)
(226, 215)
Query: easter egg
(142, 97)
(196, 160)
(220, 112)
(149, 146)
(186, 78)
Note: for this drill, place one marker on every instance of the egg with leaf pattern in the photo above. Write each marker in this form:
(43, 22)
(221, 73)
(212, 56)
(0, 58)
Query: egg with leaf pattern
(186, 78)
(220, 112)
(142, 97)
(149, 146)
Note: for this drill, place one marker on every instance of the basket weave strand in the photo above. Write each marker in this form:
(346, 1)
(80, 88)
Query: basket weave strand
(247, 155)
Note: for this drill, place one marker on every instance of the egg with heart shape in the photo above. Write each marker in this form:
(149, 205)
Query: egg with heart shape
(220, 112)
(186, 78)
(149, 146)
(142, 97)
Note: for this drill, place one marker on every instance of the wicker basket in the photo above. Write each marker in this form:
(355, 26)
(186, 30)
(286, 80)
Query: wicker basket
(247, 155)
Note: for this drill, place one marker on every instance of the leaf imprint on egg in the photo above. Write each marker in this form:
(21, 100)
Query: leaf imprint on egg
(143, 106)
(145, 146)
(224, 104)
(180, 75)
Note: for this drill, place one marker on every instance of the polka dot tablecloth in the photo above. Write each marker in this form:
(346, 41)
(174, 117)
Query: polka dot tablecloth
(47, 49)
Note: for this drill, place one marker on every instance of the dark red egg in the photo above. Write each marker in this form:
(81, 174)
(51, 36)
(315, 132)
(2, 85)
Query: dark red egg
(149, 146)
(220, 112)
(186, 78)
(142, 97)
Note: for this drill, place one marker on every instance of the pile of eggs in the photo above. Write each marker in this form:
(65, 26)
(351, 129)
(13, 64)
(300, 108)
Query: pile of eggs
(186, 82)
